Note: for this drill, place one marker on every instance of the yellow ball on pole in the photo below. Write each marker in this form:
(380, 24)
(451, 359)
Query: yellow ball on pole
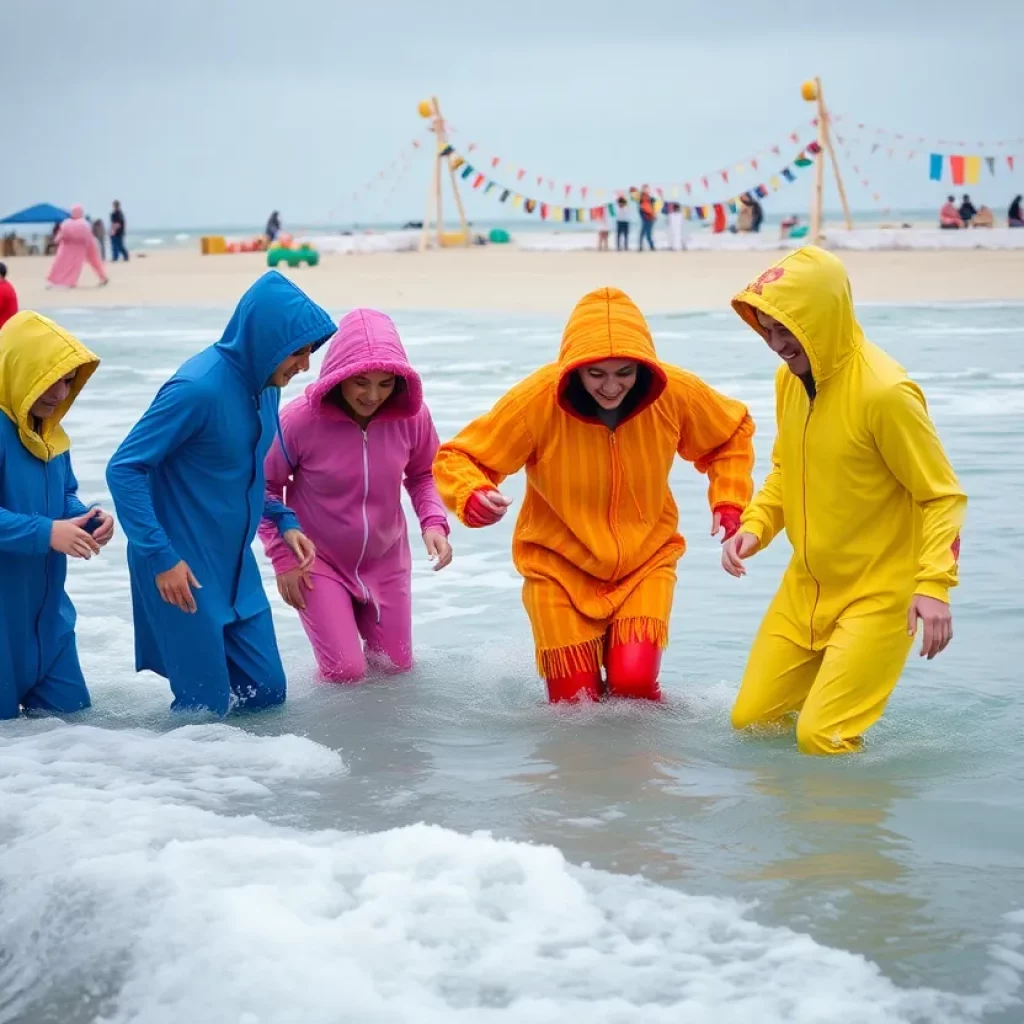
(809, 90)
(426, 108)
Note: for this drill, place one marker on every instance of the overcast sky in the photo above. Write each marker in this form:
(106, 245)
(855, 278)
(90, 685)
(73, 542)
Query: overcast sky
(213, 112)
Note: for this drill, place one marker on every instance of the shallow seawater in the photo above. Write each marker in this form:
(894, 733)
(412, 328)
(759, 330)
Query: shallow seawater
(637, 864)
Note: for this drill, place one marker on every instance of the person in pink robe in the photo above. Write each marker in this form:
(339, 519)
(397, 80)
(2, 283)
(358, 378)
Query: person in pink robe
(76, 246)
(346, 448)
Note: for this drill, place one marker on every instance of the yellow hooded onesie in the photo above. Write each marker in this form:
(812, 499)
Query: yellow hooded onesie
(596, 539)
(869, 501)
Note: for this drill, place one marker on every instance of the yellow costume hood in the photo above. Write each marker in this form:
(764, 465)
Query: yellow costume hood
(34, 354)
(809, 293)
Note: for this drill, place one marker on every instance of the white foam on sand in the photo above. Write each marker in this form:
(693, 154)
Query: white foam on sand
(702, 240)
(139, 884)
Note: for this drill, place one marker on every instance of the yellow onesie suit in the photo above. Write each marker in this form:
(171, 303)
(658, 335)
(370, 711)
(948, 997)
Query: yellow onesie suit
(869, 502)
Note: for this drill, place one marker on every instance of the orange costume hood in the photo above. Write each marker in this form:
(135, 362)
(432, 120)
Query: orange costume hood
(597, 535)
(606, 324)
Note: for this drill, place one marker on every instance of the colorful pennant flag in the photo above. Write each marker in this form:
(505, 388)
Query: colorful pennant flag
(972, 169)
(956, 167)
(935, 167)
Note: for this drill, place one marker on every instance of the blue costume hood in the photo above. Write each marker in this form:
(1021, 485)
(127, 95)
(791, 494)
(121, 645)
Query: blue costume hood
(273, 319)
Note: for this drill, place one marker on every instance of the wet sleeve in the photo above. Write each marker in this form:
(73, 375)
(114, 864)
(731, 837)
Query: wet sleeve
(176, 414)
(910, 446)
(73, 505)
(482, 454)
(419, 477)
(278, 469)
(764, 516)
(716, 434)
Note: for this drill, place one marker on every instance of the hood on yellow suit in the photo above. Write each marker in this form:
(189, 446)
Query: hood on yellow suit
(809, 293)
(34, 354)
(606, 324)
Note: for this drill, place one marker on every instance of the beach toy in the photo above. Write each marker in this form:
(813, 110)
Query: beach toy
(809, 90)
(212, 245)
(293, 257)
(799, 232)
(453, 238)
(499, 236)
(425, 108)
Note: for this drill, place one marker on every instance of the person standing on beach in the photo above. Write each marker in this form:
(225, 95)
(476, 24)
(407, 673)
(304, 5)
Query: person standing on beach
(42, 520)
(76, 246)
(99, 232)
(117, 234)
(597, 540)
(8, 297)
(869, 502)
(273, 228)
(622, 224)
(188, 486)
(346, 448)
(645, 203)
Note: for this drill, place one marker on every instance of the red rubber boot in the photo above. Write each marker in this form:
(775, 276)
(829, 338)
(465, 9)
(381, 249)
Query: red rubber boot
(633, 670)
(571, 689)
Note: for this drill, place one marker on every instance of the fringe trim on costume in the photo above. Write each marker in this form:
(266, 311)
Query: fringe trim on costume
(640, 629)
(559, 662)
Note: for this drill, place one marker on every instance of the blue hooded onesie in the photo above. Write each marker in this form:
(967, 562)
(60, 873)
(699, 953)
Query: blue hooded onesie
(38, 658)
(188, 485)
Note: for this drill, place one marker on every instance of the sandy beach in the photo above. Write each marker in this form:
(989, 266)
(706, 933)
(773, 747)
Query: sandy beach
(506, 279)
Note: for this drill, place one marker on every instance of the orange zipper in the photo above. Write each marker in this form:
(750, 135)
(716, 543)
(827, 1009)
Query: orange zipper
(614, 503)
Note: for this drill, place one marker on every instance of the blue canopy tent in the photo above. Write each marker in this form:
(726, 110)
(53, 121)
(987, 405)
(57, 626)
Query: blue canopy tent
(41, 213)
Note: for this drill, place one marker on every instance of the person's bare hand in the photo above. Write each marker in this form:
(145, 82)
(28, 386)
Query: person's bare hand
(738, 547)
(302, 547)
(938, 624)
(69, 537)
(439, 550)
(176, 586)
(290, 585)
(105, 531)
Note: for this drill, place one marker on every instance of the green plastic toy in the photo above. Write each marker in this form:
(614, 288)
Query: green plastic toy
(293, 257)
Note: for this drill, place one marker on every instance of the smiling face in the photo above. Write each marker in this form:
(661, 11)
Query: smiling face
(297, 362)
(46, 404)
(784, 344)
(609, 381)
(365, 393)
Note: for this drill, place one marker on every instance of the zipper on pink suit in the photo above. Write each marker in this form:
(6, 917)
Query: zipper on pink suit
(366, 526)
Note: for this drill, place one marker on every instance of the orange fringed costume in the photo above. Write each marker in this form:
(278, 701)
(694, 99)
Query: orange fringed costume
(596, 539)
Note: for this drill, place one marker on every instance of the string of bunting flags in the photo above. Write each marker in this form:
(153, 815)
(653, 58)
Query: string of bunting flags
(963, 169)
(673, 191)
(478, 179)
(923, 142)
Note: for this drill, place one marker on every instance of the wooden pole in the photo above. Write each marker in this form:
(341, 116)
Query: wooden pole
(443, 142)
(835, 168)
(819, 176)
(435, 185)
(442, 136)
(458, 203)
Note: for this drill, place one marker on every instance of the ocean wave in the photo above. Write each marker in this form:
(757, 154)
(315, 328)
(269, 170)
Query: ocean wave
(140, 883)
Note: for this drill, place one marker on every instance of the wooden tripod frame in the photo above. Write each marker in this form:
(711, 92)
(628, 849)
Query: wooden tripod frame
(826, 152)
(435, 211)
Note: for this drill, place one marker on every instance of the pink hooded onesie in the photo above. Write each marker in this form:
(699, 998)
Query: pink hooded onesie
(344, 484)
(76, 245)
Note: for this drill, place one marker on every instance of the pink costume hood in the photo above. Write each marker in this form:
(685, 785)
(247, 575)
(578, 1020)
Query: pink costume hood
(367, 340)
